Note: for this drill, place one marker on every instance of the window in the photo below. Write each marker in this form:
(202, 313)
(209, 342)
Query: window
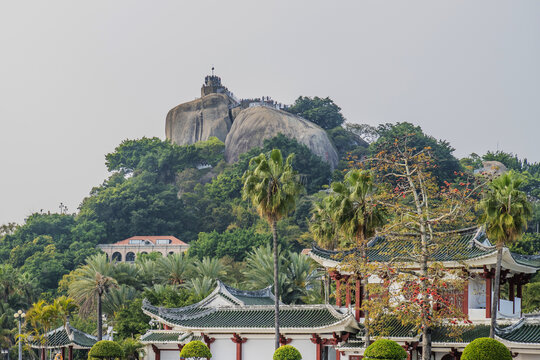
(163, 241)
(130, 256)
(136, 242)
(116, 256)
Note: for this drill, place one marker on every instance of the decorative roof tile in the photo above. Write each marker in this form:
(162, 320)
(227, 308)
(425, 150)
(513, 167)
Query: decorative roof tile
(66, 336)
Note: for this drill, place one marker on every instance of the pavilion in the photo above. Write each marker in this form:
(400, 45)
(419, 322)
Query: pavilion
(65, 337)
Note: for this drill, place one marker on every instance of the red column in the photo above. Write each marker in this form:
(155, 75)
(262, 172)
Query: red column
(347, 291)
(338, 355)
(43, 353)
(157, 352)
(338, 292)
(70, 353)
(488, 297)
(208, 340)
(358, 300)
(316, 339)
(465, 301)
(238, 340)
(63, 353)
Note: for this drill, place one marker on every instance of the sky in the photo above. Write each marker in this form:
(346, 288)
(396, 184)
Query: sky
(78, 77)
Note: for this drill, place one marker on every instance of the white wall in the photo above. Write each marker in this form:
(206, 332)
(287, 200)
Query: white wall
(306, 348)
(170, 355)
(223, 349)
(257, 349)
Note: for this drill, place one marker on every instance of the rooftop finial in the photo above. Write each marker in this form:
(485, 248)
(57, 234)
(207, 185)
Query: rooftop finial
(212, 70)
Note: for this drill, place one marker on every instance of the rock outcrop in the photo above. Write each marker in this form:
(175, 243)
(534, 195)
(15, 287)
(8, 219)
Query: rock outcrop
(199, 119)
(255, 124)
(241, 124)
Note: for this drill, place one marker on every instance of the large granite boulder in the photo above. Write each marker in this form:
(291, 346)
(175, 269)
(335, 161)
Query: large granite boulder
(199, 119)
(255, 124)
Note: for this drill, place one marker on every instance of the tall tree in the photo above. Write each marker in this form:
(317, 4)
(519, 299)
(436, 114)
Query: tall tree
(273, 187)
(91, 282)
(505, 214)
(358, 217)
(424, 215)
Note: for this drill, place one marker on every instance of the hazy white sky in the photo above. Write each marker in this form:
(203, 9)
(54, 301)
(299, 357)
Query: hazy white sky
(78, 77)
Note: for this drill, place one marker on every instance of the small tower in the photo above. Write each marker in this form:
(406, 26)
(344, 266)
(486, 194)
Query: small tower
(212, 85)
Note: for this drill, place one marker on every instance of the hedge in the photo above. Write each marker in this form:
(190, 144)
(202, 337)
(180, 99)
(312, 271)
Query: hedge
(287, 352)
(195, 350)
(384, 349)
(486, 348)
(105, 349)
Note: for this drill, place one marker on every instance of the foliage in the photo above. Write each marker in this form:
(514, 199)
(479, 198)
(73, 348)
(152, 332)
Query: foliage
(91, 282)
(287, 352)
(347, 141)
(486, 348)
(321, 111)
(235, 243)
(131, 348)
(195, 350)
(137, 205)
(298, 278)
(425, 213)
(384, 349)
(505, 211)
(130, 320)
(106, 349)
(528, 244)
(446, 166)
(170, 296)
(163, 157)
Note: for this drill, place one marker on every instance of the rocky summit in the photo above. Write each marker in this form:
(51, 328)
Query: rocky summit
(242, 124)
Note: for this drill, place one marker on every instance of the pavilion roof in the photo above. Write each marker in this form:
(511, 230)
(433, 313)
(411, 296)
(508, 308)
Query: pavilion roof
(466, 245)
(65, 336)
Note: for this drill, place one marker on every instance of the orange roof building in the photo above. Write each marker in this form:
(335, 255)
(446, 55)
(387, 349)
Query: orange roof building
(128, 249)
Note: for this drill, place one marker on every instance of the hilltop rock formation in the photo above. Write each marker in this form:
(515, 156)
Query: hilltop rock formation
(199, 119)
(255, 124)
(241, 124)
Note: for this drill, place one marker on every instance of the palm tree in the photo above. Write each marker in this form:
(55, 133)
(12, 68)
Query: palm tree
(273, 188)
(91, 282)
(357, 217)
(118, 298)
(201, 286)
(505, 214)
(175, 267)
(323, 224)
(297, 281)
(210, 268)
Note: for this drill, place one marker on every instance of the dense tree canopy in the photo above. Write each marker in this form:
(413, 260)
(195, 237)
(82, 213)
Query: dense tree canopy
(321, 111)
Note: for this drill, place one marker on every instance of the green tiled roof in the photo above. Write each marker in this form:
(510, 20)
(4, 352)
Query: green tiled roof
(248, 297)
(161, 336)
(521, 332)
(465, 334)
(250, 317)
(60, 338)
(461, 246)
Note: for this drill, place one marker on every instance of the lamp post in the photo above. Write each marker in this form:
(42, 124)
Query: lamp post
(19, 315)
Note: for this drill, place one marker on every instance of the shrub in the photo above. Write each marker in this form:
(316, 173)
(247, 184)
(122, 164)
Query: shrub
(287, 352)
(105, 349)
(195, 350)
(486, 348)
(384, 349)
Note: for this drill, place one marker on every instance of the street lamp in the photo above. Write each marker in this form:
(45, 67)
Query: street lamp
(19, 315)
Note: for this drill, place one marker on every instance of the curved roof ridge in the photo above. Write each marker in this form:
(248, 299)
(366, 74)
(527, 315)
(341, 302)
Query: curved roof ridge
(249, 293)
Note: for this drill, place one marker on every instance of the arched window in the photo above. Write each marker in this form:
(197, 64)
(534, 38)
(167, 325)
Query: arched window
(448, 357)
(171, 252)
(116, 256)
(130, 256)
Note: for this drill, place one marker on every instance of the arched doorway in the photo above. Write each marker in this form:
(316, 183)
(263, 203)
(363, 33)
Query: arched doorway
(116, 256)
(130, 256)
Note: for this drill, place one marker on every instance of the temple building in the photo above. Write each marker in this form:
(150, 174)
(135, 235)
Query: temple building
(128, 249)
(240, 324)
